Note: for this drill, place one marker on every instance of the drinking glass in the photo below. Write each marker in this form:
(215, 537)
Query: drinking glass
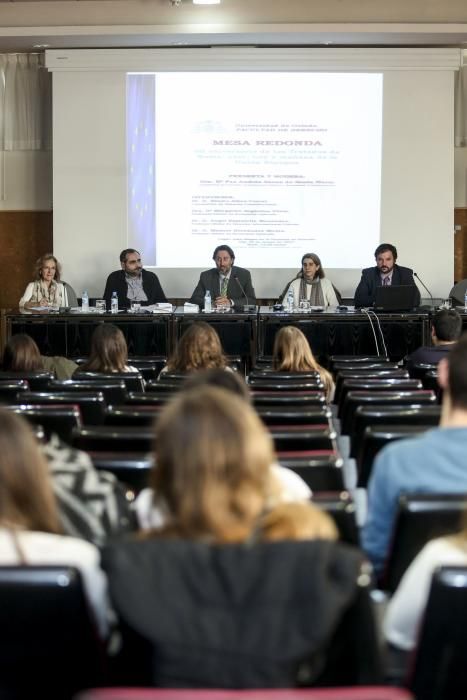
(101, 306)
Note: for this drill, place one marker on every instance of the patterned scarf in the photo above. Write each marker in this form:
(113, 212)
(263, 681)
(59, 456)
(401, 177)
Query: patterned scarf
(51, 294)
(315, 295)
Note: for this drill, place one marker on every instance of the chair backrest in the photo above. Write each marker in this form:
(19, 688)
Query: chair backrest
(288, 398)
(70, 295)
(106, 438)
(269, 374)
(356, 359)
(10, 388)
(131, 469)
(272, 384)
(420, 518)
(133, 380)
(341, 507)
(368, 692)
(374, 373)
(319, 477)
(439, 669)
(391, 415)
(295, 415)
(419, 369)
(374, 439)
(146, 398)
(49, 644)
(113, 390)
(303, 437)
(370, 365)
(91, 404)
(172, 377)
(37, 380)
(386, 384)
(61, 420)
(380, 398)
(131, 415)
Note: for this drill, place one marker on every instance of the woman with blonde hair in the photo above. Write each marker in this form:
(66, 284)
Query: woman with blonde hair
(30, 530)
(198, 348)
(222, 590)
(292, 353)
(46, 289)
(109, 351)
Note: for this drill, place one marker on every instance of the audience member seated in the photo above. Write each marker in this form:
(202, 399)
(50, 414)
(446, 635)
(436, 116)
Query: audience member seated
(405, 610)
(386, 273)
(109, 351)
(445, 332)
(151, 510)
(46, 290)
(132, 283)
(433, 462)
(198, 348)
(21, 354)
(219, 604)
(30, 530)
(292, 353)
(311, 284)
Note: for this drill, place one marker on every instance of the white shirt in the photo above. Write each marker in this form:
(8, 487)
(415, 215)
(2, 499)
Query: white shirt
(406, 607)
(153, 513)
(44, 548)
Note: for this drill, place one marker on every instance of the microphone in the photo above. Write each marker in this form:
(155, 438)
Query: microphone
(247, 307)
(425, 287)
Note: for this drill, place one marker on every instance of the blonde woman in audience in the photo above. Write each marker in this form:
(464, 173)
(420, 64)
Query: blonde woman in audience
(46, 290)
(292, 353)
(109, 351)
(222, 590)
(21, 354)
(30, 531)
(198, 348)
(151, 510)
(405, 610)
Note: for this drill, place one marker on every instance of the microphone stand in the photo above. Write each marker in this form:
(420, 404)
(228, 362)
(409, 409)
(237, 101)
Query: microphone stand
(425, 287)
(247, 307)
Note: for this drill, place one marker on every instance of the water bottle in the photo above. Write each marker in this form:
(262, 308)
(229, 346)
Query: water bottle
(85, 302)
(290, 301)
(207, 302)
(114, 303)
(465, 301)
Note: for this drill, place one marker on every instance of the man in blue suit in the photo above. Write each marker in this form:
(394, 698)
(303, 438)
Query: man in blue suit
(386, 272)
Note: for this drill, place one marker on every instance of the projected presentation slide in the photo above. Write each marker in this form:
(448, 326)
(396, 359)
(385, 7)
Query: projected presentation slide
(273, 164)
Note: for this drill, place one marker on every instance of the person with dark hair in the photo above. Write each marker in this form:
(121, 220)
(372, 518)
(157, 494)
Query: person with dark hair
(433, 462)
(133, 283)
(109, 351)
(446, 327)
(21, 354)
(311, 284)
(228, 284)
(386, 272)
(46, 290)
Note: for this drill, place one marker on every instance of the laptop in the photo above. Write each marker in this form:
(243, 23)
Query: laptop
(401, 297)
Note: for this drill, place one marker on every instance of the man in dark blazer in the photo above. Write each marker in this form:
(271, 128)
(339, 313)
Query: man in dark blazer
(132, 283)
(229, 285)
(386, 272)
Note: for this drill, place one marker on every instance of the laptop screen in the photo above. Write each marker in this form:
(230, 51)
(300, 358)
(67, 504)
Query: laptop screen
(402, 297)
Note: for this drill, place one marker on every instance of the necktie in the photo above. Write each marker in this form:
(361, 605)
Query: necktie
(386, 281)
(224, 285)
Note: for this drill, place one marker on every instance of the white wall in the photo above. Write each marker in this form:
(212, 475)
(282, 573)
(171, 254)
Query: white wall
(417, 177)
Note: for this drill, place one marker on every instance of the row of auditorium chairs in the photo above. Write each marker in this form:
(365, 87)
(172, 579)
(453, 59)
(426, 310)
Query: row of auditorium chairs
(37, 600)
